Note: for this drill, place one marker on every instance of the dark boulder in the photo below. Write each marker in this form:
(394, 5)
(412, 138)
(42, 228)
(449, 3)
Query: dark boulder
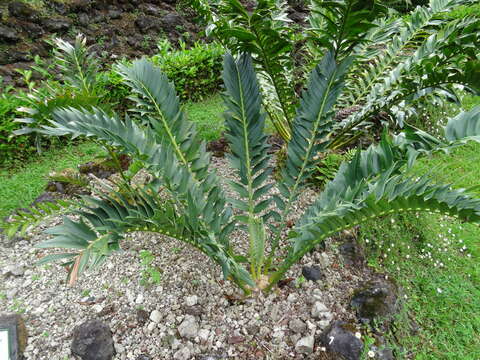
(352, 254)
(80, 5)
(33, 30)
(172, 22)
(312, 273)
(21, 10)
(58, 24)
(114, 14)
(92, 340)
(146, 23)
(339, 338)
(8, 35)
(150, 9)
(377, 298)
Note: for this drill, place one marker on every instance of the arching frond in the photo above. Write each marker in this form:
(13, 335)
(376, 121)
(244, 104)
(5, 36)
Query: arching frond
(159, 107)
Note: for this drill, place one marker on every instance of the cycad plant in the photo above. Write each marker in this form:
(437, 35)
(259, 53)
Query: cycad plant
(186, 201)
(78, 69)
(396, 61)
(265, 31)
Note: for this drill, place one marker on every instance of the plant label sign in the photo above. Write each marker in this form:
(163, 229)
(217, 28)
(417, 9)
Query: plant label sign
(4, 345)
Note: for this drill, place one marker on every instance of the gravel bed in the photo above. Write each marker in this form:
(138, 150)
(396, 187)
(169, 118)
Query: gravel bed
(192, 313)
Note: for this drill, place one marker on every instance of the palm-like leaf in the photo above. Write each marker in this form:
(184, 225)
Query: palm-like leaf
(77, 64)
(310, 129)
(159, 107)
(341, 25)
(264, 32)
(370, 186)
(408, 80)
(245, 123)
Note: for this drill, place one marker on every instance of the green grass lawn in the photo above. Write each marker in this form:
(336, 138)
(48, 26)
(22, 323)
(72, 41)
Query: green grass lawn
(435, 260)
(22, 184)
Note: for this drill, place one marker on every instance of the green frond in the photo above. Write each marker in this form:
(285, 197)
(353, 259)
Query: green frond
(341, 25)
(113, 216)
(460, 129)
(313, 122)
(77, 65)
(412, 78)
(415, 29)
(264, 32)
(245, 131)
(248, 143)
(202, 199)
(310, 132)
(367, 187)
(159, 107)
(20, 222)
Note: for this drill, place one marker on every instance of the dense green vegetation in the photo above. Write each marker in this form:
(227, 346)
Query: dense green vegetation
(196, 72)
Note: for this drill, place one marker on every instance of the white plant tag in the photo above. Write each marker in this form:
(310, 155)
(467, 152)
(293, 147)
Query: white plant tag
(4, 346)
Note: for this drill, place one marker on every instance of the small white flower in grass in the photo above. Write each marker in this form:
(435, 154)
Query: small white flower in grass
(358, 335)
(439, 290)
(371, 354)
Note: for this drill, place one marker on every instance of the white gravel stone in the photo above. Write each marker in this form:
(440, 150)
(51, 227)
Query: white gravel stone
(151, 326)
(117, 286)
(297, 326)
(203, 335)
(139, 299)
(183, 354)
(188, 328)
(305, 345)
(16, 270)
(156, 316)
(318, 310)
(191, 300)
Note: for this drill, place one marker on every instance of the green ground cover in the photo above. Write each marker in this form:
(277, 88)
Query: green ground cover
(435, 260)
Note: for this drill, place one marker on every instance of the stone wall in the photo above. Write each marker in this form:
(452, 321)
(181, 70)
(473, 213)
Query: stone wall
(116, 28)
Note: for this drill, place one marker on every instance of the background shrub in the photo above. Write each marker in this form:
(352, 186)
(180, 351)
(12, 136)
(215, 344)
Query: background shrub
(195, 71)
(10, 146)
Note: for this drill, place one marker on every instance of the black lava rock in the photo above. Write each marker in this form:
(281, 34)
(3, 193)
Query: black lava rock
(8, 35)
(312, 273)
(339, 339)
(377, 298)
(92, 340)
